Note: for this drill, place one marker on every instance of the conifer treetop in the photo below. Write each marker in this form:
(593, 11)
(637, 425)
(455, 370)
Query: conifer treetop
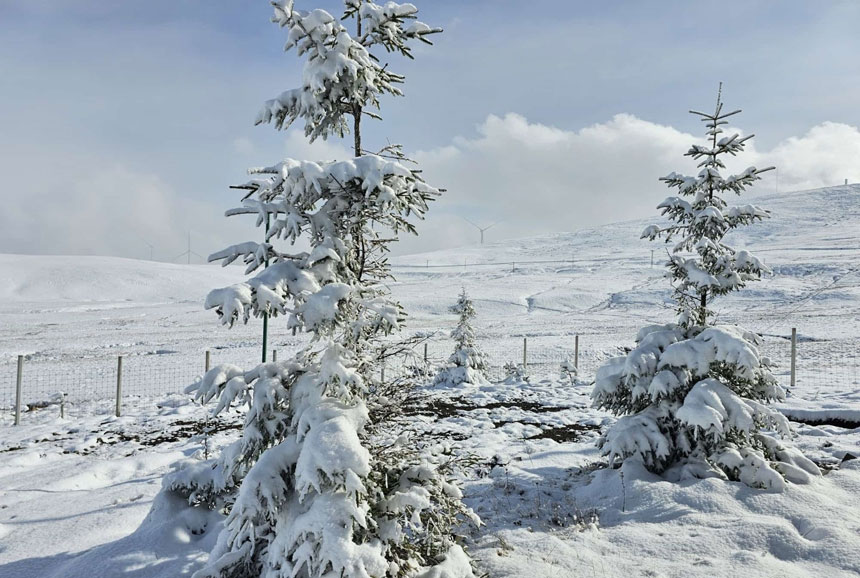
(701, 264)
(341, 76)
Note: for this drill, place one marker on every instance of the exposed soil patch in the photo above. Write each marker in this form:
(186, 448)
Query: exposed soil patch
(567, 433)
(183, 430)
(835, 421)
(455, 406)
(177, 431)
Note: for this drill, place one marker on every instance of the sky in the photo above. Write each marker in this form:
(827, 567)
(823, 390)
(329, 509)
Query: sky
(122, 124)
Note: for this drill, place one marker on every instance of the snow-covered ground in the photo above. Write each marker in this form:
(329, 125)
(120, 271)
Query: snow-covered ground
(75, 493)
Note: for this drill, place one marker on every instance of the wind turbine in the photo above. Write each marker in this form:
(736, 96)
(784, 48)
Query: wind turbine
(480, 228)
(189, 252)
(151, 249)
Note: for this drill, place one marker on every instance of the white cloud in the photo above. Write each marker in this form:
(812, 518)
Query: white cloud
(534, 178)
(85, 206)
(826, 155)
(539, 178)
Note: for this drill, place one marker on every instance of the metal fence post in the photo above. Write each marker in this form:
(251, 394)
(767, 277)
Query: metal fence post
(793, 356)
(208, 359)
(274, 355)
(119, 386)
(425, 352)
(525, 351)
(18, 390)
(576, 351)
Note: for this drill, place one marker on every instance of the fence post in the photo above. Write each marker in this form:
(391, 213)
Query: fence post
(425, 352)
(274, 355)
(119, 386)
(576, 351)
(208, 359)
(525, 351)
(382, 374)
(793, 356)
(18, 390)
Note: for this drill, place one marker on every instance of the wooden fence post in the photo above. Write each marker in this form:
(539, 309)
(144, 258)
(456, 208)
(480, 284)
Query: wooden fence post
(576, 351)
(208, 359)
(274, 355)
(119, 386)
(18, 390)
(793, 356)
(525, 351)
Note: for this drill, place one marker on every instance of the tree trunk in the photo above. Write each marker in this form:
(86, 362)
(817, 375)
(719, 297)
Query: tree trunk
(356, 108)
(356, 129)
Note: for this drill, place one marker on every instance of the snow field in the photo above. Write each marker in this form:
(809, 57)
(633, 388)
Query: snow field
(71, 505)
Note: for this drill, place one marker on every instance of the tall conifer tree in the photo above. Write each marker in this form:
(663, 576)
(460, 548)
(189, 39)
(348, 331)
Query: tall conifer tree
(307, 495)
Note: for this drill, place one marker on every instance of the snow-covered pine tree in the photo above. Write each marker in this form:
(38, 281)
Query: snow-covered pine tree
(308, 493)
(467, 361)
(701, 265)
(693, 396)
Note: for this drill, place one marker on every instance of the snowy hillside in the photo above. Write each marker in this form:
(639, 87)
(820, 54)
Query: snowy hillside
(818, 218)
(41, 278)
(600, 281)
(598, 284)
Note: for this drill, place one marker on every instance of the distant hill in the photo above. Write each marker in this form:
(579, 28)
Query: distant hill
(50, 278)
(812, 237)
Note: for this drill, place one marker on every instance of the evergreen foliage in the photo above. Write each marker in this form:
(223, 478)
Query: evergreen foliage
(702, 265)
(466, 363)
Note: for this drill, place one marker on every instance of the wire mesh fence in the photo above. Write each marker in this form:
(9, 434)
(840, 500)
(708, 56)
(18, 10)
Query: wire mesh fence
(431, 355)
(822, 368)
(76, 380)
(542, 360)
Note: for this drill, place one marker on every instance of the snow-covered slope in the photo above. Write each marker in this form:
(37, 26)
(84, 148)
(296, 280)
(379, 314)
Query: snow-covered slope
(818, 218)
(811, 241)
(51, 279)
(820, 226)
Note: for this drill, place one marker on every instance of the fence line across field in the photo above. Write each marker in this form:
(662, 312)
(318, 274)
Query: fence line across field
(32, 384)
(814, 367)
(645, 257)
